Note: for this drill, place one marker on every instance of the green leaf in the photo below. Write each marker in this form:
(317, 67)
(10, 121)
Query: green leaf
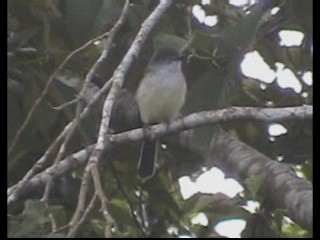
(307, 170)
(292, 230)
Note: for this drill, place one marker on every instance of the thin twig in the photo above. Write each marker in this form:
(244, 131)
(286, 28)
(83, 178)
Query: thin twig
(37, 167)
(118, 79)
(41, 163)
(119, 184)
(81, 203)
(53, 222)
(79, 106)
(59, 229)
(57, 160)
(46, 88)
(73, 161)
(88, 210)
(65, 105)
(141, 212)
(84, 216)
(43, 160)
(187, 122)
(98, 188)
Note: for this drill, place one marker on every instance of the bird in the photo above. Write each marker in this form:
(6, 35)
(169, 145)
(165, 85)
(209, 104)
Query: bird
(160, 97)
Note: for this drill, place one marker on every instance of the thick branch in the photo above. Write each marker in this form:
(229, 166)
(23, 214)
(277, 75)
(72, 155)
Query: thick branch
(122, 69)
(117, 82)
(38, 181)
(281, 187)
(188, 122)
(83, 190)
(75, 123)
(214, 117)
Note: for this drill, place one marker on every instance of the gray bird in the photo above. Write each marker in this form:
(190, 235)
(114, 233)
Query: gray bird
(160, 96)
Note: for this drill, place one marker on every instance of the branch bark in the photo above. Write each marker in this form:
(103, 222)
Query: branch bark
(214, 117)
(117, 82)
(190, 121)
(46, 88)
(281, 187)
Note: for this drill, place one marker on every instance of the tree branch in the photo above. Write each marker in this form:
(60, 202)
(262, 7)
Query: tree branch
(87, 80)
(83, 190)
(41, 163)
(74, 228)
(125, 195)
(117, 82)
(38, 181)
(214, 117)
(281, 187)
(159, 130)
(46, 88)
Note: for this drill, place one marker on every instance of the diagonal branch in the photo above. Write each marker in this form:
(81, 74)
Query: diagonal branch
(67, 131)
(39, 180)
(42, 162)
(87, 80)
(117, 82)
(46, 88)
(159, 130)
(280, 188)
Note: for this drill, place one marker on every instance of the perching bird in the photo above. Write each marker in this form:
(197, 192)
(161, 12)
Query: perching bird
(160, 96)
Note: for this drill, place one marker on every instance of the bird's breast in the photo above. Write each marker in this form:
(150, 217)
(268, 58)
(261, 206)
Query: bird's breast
(161, 95)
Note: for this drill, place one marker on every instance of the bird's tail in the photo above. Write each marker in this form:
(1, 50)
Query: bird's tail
(147, 160)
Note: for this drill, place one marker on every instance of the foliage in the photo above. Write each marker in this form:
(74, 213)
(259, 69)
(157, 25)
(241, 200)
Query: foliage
(42, 33)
